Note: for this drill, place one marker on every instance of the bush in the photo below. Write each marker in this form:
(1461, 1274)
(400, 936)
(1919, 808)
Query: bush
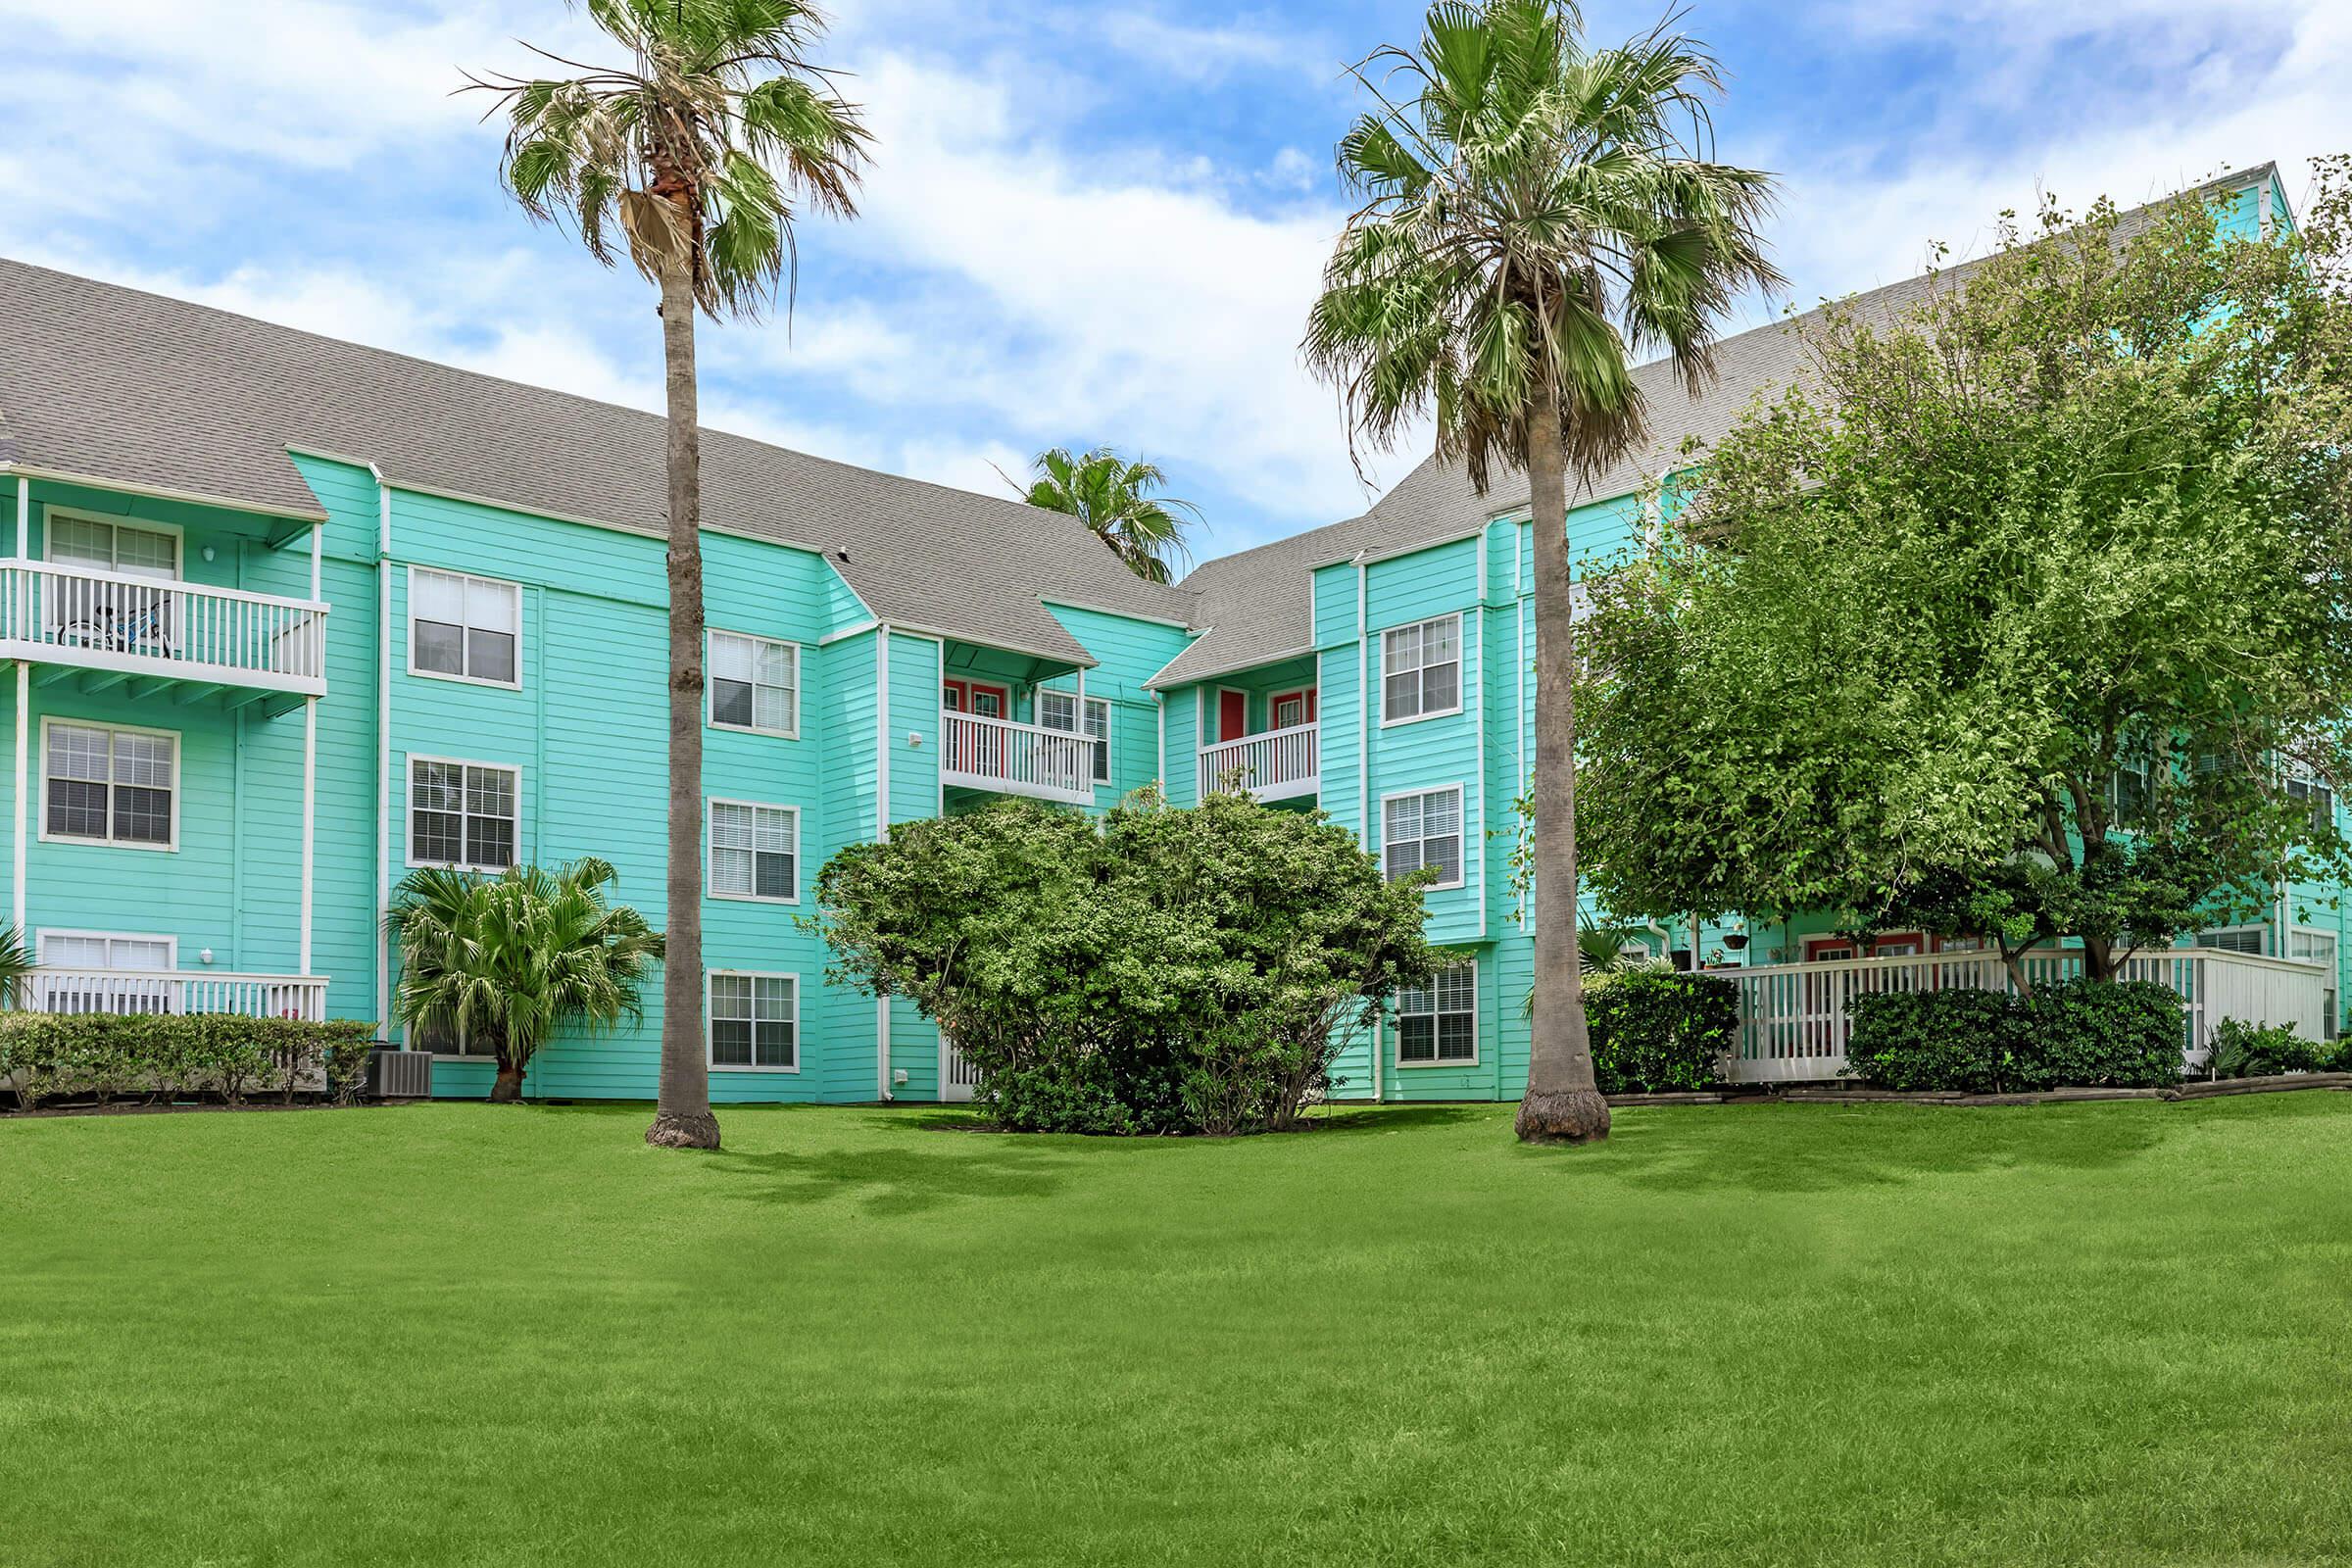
(2242, 1049)
(1656, 1030)
(1159, 971)
(2079, 1033)
(169, 1055)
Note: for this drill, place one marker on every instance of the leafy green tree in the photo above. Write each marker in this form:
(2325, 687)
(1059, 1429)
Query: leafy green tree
(1117, 499)
(1168, 969)
(1535, 213)
(696, 150)
(2022, 615)
(508, 960)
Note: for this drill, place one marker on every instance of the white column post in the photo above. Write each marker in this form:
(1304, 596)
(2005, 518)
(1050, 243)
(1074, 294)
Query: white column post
(1087, 759)
(24, 518)
(383, 751)
(310, 817)
(317, 533)
(24, 816)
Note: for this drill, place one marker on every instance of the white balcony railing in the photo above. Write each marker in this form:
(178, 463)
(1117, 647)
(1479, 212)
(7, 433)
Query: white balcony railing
(996, 754)
(142, 625)
(1275, 765)
(154, 990)
(1795, 1018)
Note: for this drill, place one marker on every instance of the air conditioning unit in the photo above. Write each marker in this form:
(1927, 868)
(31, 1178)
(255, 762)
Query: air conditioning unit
(400, 1074)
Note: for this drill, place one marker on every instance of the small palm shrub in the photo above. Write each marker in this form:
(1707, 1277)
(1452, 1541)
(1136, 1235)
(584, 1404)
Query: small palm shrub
(508, 961)
(15, 963)
(2242, 1049)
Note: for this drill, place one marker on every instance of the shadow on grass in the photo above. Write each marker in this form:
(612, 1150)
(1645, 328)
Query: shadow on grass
(1391, 1118)
(1813, 1149)
(901, 1181)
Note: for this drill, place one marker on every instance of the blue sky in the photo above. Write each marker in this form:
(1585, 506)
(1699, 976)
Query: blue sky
(1085, 223)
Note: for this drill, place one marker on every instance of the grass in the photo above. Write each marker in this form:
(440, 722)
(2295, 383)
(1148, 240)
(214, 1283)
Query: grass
(1866, 1334)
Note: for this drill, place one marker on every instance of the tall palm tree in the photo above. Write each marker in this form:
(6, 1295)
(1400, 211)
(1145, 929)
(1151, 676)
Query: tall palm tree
(1116, 499)
(504, 961)
(1535, 213)
(698, 148)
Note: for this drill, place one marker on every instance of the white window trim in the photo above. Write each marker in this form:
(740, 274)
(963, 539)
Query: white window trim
(407, 817)
(799, 1052)
(1477, 1018)
(514, 685)
(1460, 804)
(1461, 680)
(172, 943)
(711, 804)
(108, 841)
(710, 692)
(1081, 705)
(179, 534)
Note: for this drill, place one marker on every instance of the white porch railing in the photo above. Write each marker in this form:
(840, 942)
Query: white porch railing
(1275, 765)
(144, 625)
(996, 754)
(1795, 1018)
(157, 991)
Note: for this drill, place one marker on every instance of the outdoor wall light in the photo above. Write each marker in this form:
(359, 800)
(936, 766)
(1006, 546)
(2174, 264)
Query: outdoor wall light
(206, 956)
(914, 738)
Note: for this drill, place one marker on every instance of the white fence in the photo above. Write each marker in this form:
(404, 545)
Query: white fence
(1795, 1018)
(1275, 765)
(107, 620)
(996, 754)
(157, 991)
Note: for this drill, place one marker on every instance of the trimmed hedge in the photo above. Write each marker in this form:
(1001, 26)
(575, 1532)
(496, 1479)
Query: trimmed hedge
(1657, 1030)
(159, 1056)
(2080, 1034)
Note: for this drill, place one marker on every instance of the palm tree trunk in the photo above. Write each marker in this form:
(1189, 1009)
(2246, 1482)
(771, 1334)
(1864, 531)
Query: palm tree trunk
(682, 1116)
(507, 1088)
(1561, 1104)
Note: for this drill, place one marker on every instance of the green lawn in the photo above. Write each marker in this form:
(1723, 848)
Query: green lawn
(450, 1334)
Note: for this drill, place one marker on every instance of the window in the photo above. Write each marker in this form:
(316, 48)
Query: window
(755, 851)
(1423, 670)
(108, 546)
(1439, 1026)
(2317, 797)
(110, 786)
(2234, 939)
(466, 628)
(462, 813)
(1291, 709)
(755, 1021)
(1059, 709)
(76, 962)
(2318, 947)
(444, 1039)
(1424, 830)
(754, 684)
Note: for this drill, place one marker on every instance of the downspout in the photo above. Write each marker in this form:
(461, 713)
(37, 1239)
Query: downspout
(882, 832)
(1479, 730)
(383, 752)
(1159, 707)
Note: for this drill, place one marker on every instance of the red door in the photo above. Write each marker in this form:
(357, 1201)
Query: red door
(1233, 715)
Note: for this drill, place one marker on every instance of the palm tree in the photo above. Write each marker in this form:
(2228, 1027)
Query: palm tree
(1116, 499)
(1535, 213)
(16, 967)
(506, 961)
(698, 149)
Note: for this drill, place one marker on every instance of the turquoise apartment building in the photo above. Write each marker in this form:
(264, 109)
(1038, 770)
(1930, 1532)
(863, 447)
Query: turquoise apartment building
(283, 617)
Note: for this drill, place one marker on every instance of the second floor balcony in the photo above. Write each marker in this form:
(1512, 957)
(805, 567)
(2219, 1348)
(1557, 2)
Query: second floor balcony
(1275, 765)
(123, 626)
(997, 755)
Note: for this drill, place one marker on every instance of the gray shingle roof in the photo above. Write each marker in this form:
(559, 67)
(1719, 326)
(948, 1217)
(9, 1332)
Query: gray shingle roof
(120, 385)
(1255, 604)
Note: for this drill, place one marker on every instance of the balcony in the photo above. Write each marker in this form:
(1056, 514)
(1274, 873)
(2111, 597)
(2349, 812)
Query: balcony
(203, 640)
(1278, 764)
(1008, 759)
(1795, 1018)
(161, 991)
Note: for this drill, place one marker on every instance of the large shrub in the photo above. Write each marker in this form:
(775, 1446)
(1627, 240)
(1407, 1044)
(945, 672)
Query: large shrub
(1161, 971)
(1656, 1030)
(2080, 1034)
(156, 1056)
